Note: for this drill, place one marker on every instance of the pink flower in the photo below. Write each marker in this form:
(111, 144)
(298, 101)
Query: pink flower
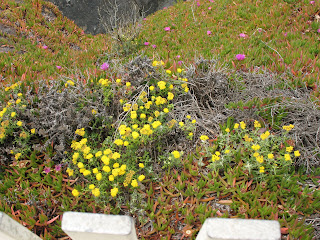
(104, 66)
(285, 34)
(242, 35)
(45, 47)
(178, 56)
(312, 2)
(211, 0)
(208, 32)
(240, 57)
(46, 170)
(59, 67)
(154, 46)
(144, 19)
(167, 29)
(180, 62)
(209, 8)
(165, 8)
(57, 168)
(318, 30)
(259, 30)
(146, 43)
(139, 25)
(198, 4)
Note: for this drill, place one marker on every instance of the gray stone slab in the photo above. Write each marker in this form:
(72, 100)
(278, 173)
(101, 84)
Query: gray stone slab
(239, 229)
(12, 230)
(85, 226)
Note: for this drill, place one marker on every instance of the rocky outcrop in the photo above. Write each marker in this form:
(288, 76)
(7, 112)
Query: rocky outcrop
(92, 15)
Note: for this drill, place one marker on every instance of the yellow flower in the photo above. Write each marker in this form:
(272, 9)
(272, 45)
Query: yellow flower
(165, 110)
(135, 135)
(19, 94)
(179, 70)
(156, 124)
(215, 158)
(181, 124)
(142, 116)
(297, 153)
(111, 178)
(91, 186)
(141, 178)
(257, 124)
(70, 172)
(190, 134)
(75, 192)
(176, 154)
(116, 155)
(247, 138)
(170, 96)
(80, 132)
(236, 125)
(227, 130)
(188, 116)
(193, 121)
(107, 151)
(151, 88)
(204, 137)
(168, 72)
(95, 170)
(33, 131)
(141, 165)
(261, 169)
(118, 142)
(289, 149)
(242, 125)
(94, 111)
(106, 168)
(263, 136)
(114, 192)
(89, 156)
(171, 86)
(125, 143)
(128, 84)
(19, 123)
(288, 128)
(186, 89)
(161, 85)
(96, 192)
(118, 80)
(217, 153)
(13, 114)
(270, 156)
(18, 101)
(99, 176)
(17, 156)
(133, 115)
(255, 147)
(256, 154)
(86, 172)
(227, 151)
(259, 159)
(98, 154)
(134, 183)
(80, 165)
(287, 157)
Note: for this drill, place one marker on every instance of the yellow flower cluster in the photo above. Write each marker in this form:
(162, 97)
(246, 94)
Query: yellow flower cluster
(128, 178)
(204, 137)
(176, 154)
(69, 83)
(257, 124)
(13, 86)
(263, 136)
(104, 82)
(146, 130)
(157, 63)
(80, 132)
(216, 156)
(288, 128)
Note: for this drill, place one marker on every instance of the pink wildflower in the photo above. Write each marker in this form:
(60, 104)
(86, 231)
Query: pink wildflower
(242, 35)
(178, 56)
(167, 29)
(57, 168)
(312, 2)
(104, 66)
(285, 34)
(59, 67)
(240, 57)
(209, 8)
(45, 47)
(180, 62)
(198, 4)
(146, 43)
(208, 32)
(318, 30)
(46, 170)
(154, 46)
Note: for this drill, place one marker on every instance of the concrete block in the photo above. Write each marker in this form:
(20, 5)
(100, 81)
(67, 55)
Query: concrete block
(85, 226)
(12, 230)
(239, 229)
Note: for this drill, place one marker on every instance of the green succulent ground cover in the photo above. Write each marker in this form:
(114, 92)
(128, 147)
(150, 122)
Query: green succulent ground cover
(171, 139)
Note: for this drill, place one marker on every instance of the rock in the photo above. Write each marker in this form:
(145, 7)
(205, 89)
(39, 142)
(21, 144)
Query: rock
(87, 13)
